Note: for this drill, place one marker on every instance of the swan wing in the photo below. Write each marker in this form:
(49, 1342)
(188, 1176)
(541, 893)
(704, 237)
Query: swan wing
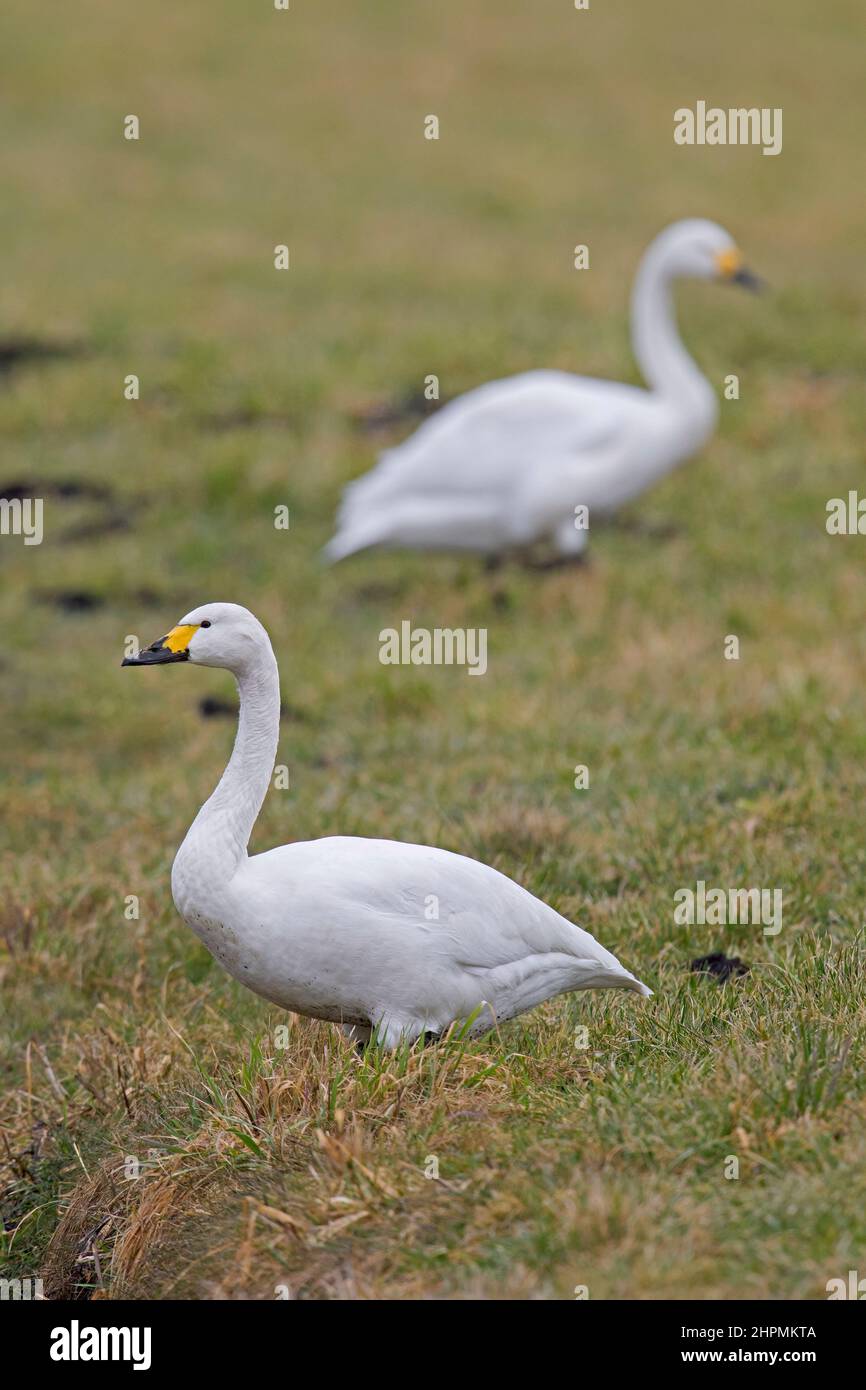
(493, 434)
(458, 479)
(423, 935)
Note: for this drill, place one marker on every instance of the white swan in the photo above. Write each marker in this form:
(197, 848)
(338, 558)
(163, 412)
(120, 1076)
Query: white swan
(371, 934)
(506, 465)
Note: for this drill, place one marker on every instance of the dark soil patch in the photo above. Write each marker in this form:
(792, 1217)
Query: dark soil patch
(212, 707)
(407, 408)
(244, 420)
(23, 352)
(110, 515)
(720, 966)
(209, 707)
(72, 600)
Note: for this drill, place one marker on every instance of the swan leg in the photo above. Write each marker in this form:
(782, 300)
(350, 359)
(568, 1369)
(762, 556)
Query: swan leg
(569, 548)
(389, 1034)
(558, 562)
(656, 531)
(358, 1033)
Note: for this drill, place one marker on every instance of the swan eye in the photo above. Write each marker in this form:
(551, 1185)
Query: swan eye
(205, 623)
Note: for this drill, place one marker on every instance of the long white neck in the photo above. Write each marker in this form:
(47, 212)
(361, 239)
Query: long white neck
(216, 843)
(666, 365)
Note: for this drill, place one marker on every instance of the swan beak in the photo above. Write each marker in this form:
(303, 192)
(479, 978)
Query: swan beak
(730, 267)
(748, 280)
(173, 647)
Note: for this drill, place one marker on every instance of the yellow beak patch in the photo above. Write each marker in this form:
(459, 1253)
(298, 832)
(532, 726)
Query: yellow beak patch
(729, 262)
(180, 637)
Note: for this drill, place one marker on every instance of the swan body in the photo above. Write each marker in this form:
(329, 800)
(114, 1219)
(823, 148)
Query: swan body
(507, 464)
(376, 935)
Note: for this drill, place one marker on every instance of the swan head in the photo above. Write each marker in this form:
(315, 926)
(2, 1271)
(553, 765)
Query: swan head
(216, 634)
(702, 250)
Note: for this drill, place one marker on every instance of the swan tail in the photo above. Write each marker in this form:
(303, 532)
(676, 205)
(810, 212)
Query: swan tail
(637, 986)
(615, 979)
(359, 515)
(352, 538)
(370, 489)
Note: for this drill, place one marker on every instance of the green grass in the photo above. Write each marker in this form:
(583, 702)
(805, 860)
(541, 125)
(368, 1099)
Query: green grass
(304, 1165)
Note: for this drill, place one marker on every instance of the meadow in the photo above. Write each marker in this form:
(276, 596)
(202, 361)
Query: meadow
(160, 1137)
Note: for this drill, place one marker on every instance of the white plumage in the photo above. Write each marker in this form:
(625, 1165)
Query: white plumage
(371, 934)
(506, 465)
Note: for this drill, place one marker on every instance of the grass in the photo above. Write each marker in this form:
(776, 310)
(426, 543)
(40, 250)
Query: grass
(161, 1137)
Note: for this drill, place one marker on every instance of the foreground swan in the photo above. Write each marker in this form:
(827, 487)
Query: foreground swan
(506, 465)
(372, 934)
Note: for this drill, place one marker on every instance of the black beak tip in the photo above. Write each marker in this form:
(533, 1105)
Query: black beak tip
(157, 655)
(747, 280)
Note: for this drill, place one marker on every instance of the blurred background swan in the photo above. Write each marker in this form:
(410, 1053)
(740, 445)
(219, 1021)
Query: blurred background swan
(539, 456)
